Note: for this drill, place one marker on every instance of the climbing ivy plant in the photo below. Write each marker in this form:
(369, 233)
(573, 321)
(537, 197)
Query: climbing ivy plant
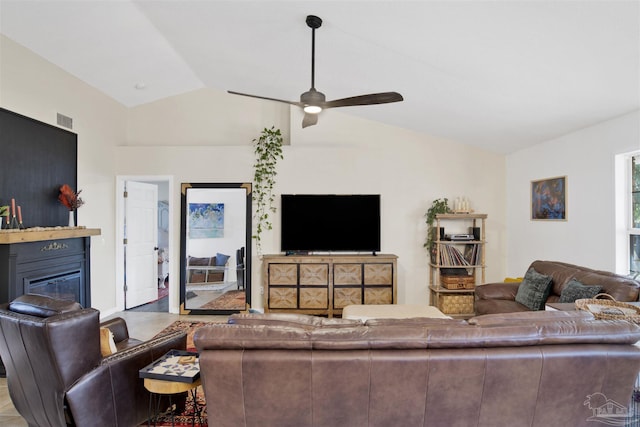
(267, 149)
(439, 206)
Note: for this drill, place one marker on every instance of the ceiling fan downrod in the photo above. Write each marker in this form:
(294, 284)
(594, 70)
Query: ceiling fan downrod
(313, 22)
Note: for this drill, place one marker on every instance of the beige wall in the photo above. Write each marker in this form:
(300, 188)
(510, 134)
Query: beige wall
(31, 86)
(205, 136)
(587, 158)
(344, 155)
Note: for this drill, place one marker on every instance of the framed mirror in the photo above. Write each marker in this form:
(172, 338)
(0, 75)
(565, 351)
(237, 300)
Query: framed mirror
(215, 248)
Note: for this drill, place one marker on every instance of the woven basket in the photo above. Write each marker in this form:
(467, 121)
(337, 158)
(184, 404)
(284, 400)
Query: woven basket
(456, 304)
(607, 308)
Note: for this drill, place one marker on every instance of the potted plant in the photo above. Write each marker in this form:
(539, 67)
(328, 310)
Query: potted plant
(267, 149)
(439, 206)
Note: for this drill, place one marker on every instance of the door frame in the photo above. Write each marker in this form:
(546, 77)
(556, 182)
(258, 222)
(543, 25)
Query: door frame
(174, 255)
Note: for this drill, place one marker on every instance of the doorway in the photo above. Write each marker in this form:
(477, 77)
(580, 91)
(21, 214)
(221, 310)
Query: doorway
(159, 262)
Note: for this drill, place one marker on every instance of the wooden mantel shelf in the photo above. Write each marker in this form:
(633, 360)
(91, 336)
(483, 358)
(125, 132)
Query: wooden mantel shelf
(45, 233)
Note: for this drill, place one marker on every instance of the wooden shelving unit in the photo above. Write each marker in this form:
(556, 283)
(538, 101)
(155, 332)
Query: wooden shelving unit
(464, 257)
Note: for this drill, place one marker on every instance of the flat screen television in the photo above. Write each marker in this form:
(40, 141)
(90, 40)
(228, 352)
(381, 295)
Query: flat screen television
(330, 223)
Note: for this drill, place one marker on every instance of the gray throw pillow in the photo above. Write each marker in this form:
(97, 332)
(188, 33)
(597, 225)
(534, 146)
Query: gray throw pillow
(575, 290)
(534, 290)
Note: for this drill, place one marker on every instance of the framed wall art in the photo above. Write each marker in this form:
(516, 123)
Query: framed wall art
(206, 220)
(549, 199)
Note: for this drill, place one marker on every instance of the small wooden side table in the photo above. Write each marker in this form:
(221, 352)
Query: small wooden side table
(177, 371)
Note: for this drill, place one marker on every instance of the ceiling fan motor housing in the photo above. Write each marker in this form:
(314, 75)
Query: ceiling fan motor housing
(312, 97)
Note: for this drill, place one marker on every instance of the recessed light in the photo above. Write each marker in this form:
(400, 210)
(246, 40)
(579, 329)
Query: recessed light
(140, 86)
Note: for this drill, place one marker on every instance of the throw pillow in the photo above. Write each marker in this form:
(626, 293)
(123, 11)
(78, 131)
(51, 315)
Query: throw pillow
(221, 259)
(107, 344)
(534, 290)
(575, 290)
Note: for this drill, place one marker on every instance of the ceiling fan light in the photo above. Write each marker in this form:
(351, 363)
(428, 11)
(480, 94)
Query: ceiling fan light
(312, 109)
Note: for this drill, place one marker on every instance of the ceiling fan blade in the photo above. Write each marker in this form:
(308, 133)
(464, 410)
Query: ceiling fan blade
(309, 120)
(370, 99)
(267, 98)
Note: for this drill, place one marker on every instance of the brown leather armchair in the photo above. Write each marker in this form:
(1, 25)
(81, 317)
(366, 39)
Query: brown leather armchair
(56, 373)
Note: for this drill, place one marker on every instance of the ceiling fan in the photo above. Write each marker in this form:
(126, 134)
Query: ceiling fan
(313, 102)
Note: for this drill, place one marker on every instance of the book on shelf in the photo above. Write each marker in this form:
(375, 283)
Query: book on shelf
(451, 256)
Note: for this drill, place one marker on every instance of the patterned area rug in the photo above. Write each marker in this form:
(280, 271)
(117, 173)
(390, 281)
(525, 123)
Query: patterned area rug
(189, 327)
(183, 418)
(163, 290)
(232, 300)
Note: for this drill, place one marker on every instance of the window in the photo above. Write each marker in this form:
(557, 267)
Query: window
(634, 233)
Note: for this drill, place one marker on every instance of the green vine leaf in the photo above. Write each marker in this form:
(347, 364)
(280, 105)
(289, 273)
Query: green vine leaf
(268, 150)
(439, 206)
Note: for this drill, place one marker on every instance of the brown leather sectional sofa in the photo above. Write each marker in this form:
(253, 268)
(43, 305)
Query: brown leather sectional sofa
(501, 297)
(533, 369)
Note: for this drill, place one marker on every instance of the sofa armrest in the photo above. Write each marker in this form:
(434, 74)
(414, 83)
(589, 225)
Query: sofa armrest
(118, 327)
(499, 290)
(113, 393)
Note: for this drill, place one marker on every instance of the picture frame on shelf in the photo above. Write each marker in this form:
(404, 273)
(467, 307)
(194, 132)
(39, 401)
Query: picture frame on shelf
(549, 199)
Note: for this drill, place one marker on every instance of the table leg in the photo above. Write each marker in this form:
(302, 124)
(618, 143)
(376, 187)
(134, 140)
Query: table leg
(196, 409)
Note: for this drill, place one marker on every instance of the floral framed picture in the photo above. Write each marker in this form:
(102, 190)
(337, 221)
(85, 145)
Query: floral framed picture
(549, 199)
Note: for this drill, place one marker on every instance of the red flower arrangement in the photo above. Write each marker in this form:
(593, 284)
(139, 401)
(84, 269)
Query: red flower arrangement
(69, 198)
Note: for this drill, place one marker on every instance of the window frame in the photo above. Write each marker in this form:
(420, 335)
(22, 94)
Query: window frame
(632, 230)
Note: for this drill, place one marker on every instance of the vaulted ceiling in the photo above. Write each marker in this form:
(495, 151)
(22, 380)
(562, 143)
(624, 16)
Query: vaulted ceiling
(501, 75)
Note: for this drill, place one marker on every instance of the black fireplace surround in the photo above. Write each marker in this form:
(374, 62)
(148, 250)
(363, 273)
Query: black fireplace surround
(57, 268)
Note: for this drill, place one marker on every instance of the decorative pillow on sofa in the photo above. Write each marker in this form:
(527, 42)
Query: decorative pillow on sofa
(575, 290)
(107, 344)
(221, 259)
(534, 290)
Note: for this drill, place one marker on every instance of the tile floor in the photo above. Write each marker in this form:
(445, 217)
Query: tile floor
(142, 325)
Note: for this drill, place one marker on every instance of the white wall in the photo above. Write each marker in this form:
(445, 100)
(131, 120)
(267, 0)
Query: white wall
(31, 86)
(587, 158)
(342, 155)
(205, 136)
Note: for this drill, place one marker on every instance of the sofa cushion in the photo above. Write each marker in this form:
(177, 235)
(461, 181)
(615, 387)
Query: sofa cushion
(419, 322)
(529, 317)
(534, 290)
(199, 261)
(292, 320)
(575, 290)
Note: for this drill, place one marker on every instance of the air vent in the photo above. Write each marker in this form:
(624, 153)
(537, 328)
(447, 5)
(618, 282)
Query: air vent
(65, 121)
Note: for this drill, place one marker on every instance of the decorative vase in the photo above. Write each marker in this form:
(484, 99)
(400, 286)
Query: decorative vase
(72, 222)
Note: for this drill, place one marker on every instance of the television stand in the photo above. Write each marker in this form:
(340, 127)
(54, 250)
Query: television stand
(325, 284)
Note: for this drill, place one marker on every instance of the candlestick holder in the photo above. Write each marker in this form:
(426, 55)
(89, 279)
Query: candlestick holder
(14, 223)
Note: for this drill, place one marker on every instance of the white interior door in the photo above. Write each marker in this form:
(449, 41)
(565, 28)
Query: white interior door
(141, 237)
